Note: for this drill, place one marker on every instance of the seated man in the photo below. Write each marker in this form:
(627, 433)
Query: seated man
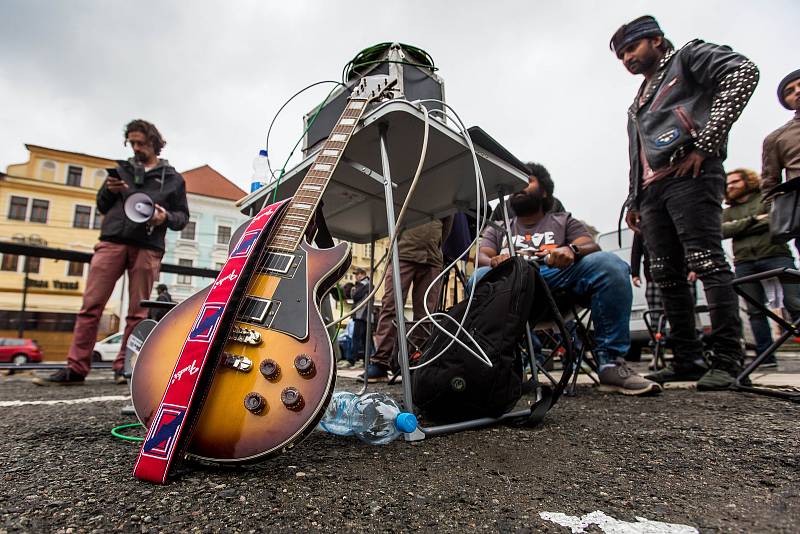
(573, 261)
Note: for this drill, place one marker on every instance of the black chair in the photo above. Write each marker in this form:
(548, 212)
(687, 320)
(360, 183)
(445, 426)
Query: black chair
(785, 276)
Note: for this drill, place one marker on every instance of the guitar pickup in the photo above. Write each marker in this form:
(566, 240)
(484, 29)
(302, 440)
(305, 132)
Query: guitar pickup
(280, 264)
(239, 363)
(258, 311)
(248, 336)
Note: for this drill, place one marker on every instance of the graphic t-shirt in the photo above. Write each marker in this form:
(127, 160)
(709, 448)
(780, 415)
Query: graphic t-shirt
(553, 231)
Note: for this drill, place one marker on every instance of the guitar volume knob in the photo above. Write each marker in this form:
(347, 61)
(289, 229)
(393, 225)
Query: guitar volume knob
(304, 365)
(292, 399)
(255, 403)
(270, 369)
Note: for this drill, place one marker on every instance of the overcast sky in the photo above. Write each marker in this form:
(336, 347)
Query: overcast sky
(536, 75)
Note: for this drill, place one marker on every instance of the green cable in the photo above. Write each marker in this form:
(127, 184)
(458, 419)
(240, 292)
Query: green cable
(117, 434)
(369, 56)
(310, 123)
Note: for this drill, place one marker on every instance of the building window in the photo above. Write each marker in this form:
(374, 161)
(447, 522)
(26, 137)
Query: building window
(74, 175)
(83, 216)
(75, 268)
(98, 219)
(32, 264)
(223, 235)
(9, 262)
(188, 231)
(39, 210)
(185, 278)
(18, 208)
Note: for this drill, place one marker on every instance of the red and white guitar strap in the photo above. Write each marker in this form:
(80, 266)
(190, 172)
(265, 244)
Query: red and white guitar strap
(182, 397)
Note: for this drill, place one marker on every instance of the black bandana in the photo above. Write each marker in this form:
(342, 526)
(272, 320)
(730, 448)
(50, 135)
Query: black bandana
(645, 26)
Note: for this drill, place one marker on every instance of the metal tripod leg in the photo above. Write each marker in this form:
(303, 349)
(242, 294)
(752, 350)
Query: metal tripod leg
(398, 290)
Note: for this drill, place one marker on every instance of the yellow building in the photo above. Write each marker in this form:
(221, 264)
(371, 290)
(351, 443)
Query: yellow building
(50, 200)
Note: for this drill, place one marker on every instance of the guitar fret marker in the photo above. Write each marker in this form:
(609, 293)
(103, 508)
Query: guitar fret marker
(347, 122)
(301, 206)
(312, 187)
(330, 152)
(322, 167)
(355, 104)
(338, 137)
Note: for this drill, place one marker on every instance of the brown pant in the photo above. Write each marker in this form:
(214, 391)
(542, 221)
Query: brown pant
(109, 262)
(420, 276)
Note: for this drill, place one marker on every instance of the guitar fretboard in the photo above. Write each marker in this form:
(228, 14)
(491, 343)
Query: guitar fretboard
(294, 222)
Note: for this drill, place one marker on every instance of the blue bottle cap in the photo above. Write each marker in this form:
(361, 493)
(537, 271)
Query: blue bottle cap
(262, 153)
(406, 422)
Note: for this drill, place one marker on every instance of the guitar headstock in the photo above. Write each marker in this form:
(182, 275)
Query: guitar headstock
(373, 87)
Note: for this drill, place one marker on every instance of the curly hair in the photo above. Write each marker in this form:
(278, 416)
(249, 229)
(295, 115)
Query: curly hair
(751, 180)
(545, 181)
(150, 132)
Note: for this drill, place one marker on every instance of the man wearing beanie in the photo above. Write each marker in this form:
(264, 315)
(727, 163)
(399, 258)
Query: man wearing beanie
(678, 129)
(782, 147)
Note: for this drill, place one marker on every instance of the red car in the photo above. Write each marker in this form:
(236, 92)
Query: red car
(19, 351)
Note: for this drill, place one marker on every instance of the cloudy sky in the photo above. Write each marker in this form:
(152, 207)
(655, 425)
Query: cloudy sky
(538, 76)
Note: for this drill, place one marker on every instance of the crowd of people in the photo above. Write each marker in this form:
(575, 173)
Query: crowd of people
(678, 126)
(678, 129)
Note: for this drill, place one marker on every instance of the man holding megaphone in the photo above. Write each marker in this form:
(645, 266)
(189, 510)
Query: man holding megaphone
(139, 200)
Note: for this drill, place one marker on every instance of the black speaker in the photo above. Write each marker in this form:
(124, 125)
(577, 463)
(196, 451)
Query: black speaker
(414, 82)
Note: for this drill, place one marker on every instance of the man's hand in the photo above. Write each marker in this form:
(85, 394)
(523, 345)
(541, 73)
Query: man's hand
(497, 260)
(762, 216)
(159, 216)
(632, 219)
(115, 185)
(690, 163)
(558, 258)
(637, 281)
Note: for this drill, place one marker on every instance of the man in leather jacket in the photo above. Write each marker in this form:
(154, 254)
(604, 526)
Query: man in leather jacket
(678, 127)
(125, 245)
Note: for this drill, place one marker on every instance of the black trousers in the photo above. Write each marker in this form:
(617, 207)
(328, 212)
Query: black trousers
(359, 339)
(682, 230)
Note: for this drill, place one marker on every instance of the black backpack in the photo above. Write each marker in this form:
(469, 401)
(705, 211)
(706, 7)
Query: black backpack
(457, 386)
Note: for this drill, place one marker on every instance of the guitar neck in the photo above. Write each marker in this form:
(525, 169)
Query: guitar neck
(294, 222)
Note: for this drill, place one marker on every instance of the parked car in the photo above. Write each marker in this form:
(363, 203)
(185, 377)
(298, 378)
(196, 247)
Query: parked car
(106, 350)
(19, 351)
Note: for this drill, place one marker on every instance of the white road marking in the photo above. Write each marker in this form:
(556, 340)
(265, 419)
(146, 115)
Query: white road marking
(107, 398)
(615, 526)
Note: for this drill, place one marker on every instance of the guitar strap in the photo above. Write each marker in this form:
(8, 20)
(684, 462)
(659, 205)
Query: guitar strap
(171, 427)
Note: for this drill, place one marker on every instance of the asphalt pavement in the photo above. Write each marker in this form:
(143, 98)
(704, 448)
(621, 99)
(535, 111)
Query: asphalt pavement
(683, 462)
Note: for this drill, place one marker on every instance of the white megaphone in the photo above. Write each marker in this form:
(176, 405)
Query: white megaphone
(139, 207)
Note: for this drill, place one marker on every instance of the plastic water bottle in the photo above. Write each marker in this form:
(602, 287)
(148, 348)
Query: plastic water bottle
(375, 418)
(260, 171)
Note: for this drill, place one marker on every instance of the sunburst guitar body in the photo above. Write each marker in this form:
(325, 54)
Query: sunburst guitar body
(275, 372)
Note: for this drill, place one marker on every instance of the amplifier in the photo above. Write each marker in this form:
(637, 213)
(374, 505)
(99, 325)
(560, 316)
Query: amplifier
(414, 83)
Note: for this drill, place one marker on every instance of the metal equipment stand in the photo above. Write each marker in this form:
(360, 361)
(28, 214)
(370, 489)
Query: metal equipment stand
(787, 276)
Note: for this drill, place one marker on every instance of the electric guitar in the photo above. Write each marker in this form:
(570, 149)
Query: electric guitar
(274, 375)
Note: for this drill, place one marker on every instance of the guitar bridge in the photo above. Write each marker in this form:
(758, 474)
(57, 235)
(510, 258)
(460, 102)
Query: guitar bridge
(248, 336)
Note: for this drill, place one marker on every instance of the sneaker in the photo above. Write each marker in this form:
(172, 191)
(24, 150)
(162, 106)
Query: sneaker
(62, 377)
(717, 379)
(376, 373)
(621, 378)
(359, 364)
(769, 363)
(673, 373)
(119, 378)
(344, 364)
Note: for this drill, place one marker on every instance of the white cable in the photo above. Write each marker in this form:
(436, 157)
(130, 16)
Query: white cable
(400, 217)
(481, 222)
